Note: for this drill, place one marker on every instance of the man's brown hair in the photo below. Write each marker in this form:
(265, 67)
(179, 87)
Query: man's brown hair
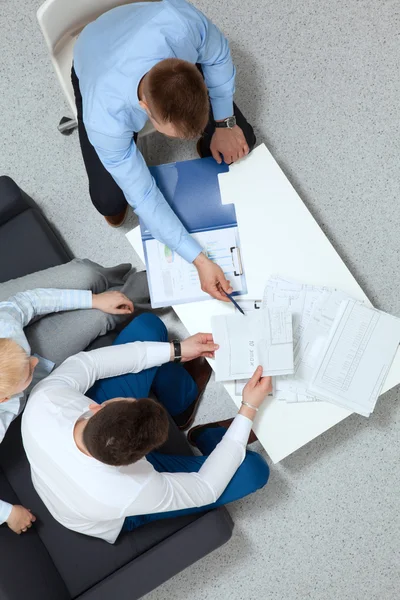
(122, 432)
(176, 93)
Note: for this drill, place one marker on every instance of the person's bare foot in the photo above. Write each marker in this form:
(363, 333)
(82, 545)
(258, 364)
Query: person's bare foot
(117, 220)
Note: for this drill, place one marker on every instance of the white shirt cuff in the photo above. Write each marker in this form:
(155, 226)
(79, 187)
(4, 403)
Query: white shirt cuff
(5, 511)
(157, 353)
(240, 429)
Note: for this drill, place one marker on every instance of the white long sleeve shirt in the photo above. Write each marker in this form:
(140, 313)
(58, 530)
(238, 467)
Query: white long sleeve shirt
(15, 314)
(88, 496)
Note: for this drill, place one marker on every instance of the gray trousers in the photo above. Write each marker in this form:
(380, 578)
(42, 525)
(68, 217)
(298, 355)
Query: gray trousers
(60, 335)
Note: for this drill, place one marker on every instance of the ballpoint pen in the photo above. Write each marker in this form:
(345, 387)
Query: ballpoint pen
(234, 302)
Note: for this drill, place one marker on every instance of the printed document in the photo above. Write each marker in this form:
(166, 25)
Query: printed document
(249, 306)
(174, 281)
(314, 311)
(262, 337)
(360, 350)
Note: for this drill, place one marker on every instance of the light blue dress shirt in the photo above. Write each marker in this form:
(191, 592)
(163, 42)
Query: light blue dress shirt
(15, 314)
(111, 56)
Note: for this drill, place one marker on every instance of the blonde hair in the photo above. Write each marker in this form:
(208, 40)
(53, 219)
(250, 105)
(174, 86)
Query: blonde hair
(13, 360)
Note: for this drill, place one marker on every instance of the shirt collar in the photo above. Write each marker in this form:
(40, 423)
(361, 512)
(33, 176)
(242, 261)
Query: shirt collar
(13, 405)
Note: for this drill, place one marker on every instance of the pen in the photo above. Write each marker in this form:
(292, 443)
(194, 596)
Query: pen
(234, 302)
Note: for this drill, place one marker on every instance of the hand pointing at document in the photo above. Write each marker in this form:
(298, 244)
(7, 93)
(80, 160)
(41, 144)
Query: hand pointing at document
(212, 278)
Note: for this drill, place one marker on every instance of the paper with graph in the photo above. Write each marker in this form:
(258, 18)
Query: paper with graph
(175, 281)
(191, 189)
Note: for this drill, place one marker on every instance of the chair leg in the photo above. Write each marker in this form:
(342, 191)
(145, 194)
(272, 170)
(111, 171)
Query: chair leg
(67, 125)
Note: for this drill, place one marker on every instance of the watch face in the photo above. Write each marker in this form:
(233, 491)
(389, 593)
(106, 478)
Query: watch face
(231, 122)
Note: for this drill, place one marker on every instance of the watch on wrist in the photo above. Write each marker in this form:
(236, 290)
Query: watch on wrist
(228, 123)
(177, 351)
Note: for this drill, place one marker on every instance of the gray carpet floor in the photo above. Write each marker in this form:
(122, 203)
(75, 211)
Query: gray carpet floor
(320, 81)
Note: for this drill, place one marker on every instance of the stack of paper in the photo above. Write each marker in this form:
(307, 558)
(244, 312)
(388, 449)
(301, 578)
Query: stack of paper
(342, 348)
(360, 349)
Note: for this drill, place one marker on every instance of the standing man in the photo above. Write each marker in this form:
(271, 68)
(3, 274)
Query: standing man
(163, 61)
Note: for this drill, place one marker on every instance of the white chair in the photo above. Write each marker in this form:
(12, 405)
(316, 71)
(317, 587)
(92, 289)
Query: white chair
(61, 21)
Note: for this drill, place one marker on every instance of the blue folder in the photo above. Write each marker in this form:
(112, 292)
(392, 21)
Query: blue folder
(191, 189)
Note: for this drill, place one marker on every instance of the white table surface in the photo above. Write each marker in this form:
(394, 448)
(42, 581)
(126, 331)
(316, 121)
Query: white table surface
(278, 235)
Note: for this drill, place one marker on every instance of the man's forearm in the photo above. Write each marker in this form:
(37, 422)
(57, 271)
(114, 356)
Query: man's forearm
(166, 226)
(84, 369)
(219, 71)
(25, 306)
(57, 300)
(177, 491)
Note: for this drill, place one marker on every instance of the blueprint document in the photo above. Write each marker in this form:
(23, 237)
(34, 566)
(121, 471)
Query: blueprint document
(314, 311)
(175, 281)
(240, 384)
(262, 337)
(249, 306)
(359, 352)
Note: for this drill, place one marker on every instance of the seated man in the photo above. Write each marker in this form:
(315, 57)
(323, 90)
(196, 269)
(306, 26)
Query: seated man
(19, 371)
(94, 464)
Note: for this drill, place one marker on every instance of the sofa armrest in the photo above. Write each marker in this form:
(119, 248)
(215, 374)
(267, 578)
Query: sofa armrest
(13, 201)
(166, 559)
(27, 239)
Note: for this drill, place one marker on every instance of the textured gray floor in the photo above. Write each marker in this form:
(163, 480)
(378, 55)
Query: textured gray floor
(320, 80)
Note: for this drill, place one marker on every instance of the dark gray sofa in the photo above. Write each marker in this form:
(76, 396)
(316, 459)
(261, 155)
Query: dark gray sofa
(50, 562)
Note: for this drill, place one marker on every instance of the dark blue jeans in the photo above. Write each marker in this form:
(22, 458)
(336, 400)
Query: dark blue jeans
(176, 390)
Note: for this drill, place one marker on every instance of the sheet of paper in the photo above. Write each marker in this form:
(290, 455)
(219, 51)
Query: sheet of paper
(314, 311)
(297, 297)
(246, 306)
(241, 383)
(261, 337)
(314, 337)
(174, 281)
(310, 346)
(360, 350)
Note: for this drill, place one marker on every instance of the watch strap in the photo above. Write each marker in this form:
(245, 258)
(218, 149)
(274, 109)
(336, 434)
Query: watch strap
(226, 123)
(177, 351)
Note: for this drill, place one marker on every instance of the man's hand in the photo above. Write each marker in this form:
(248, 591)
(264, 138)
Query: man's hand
(201, 344)
(212, 278)
(113, 303)
(257, 388)
(20, 519)
(230, 143)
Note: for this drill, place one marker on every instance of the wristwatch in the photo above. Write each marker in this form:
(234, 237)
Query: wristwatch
(228, 123)
(177, 351)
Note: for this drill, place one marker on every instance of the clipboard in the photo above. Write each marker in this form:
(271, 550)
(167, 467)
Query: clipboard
(191, 188)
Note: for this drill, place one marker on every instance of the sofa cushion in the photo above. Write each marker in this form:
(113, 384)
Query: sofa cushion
(83, 561)
(38, 578)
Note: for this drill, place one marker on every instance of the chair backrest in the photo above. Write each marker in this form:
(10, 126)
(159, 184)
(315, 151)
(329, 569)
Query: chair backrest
(66, 18)
(61, 21)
